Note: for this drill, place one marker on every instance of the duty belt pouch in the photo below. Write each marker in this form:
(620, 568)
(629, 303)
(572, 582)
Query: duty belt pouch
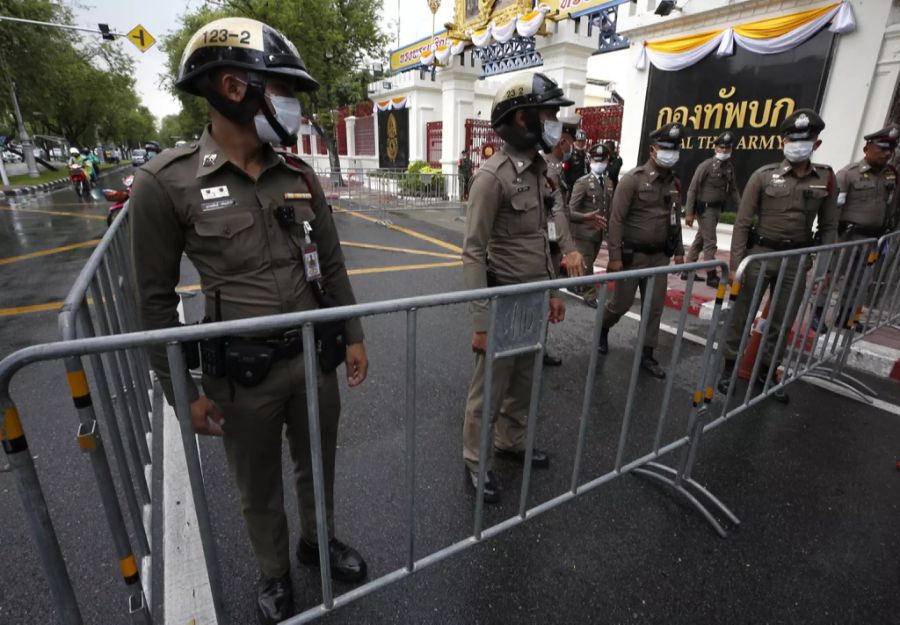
(753, 237)
(627, 254)
(492, 279)
(331, 342)
(248, 364)
(212, 357)
(700, 208)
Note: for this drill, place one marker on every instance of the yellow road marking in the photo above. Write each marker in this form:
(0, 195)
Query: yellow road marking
(191, 288)
(46, 212)
(407, 231)
(402, 250)
(55, 250)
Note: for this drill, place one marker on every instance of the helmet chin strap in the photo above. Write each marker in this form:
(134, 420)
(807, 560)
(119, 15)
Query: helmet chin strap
(239, 112)
(534, 126)
(287, 139)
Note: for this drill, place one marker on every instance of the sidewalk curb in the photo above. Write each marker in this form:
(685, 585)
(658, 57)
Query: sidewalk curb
(19, 191)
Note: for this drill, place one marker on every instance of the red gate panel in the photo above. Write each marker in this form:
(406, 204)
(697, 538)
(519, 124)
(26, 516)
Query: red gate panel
(602, 123)
(481, 140)
(434, 138)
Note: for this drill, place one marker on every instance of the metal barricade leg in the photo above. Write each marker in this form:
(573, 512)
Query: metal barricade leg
(533, 409)
(410, 420)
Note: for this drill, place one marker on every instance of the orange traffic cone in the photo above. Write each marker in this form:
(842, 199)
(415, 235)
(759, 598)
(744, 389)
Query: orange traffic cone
(749, 358)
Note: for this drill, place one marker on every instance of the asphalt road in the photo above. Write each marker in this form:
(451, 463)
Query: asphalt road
(813, 482)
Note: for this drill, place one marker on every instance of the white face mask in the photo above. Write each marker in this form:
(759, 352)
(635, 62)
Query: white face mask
(723, 156)
(667, 158)
(598, 168)
(551, 132)
(798, 151)
(287, 112)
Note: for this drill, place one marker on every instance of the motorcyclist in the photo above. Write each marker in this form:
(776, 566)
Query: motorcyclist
(74, 157)
(88, 164)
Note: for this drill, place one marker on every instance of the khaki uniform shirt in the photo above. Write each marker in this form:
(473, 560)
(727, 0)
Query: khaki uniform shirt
(866, 197)
(590, 194)
(506, 224)
(713, 182)
(786, 207)
(193, 200)
(642, 208)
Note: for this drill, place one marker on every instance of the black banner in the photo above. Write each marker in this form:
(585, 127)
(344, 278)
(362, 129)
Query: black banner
(393, 139)
(748, 93)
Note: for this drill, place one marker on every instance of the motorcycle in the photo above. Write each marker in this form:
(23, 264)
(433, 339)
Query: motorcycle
(80, 181)
(119, 199)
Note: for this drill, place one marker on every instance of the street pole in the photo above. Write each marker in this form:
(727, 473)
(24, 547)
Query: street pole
(27, 145)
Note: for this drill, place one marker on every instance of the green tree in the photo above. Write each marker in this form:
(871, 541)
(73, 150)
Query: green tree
(335, 37)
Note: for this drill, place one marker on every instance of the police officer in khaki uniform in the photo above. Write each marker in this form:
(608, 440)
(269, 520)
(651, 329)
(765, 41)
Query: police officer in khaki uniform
(507, 242)
(576, 162)
(645, 231)
(784, 199)
(589, 213)
(711, 187)
(867, 188)
(241, 212)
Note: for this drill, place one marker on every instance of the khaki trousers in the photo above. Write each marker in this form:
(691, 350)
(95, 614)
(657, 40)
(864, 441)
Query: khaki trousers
(254, 421)
(511, 394)
(706, 236)
(624, 291)
(778, 316)
(589, 249)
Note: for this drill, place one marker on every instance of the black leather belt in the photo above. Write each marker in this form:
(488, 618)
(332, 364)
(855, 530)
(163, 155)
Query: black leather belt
(866, 231)
(285, 346)
(705, 205)
(782, 246)
(646, 248)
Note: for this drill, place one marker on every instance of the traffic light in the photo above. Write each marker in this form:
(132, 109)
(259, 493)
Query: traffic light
(104, 32)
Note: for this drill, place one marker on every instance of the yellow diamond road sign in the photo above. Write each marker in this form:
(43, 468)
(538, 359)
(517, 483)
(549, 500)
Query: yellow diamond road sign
(141, 38)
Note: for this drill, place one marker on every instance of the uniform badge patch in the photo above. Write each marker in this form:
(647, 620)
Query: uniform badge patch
(298, 196)
(214, 193)
(210, 159)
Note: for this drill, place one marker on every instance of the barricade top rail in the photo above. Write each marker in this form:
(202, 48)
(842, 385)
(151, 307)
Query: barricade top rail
(77, 294)
(800, 251)
(94, 345)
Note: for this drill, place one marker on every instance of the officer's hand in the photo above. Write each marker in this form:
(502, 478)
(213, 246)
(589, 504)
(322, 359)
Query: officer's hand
(600, 222)
(613, 266)
(574, 264)
(357, 364)
(689, 221)
(557, 310)
(206, 417)
(479, 342)
(679, 260)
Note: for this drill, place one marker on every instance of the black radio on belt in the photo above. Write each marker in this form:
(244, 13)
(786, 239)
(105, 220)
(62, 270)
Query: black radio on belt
(284, 215)
(212, 350)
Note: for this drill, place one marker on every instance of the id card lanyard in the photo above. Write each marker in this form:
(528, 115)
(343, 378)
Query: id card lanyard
(310, 256)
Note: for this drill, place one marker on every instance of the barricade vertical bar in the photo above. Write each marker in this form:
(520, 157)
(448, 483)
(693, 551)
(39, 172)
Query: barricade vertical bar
(533, 407)
(40, 525)
(635, 368)
(487, 414)
(676, 354)
(315, 451)
(90, 441)
(843, 315)
(785, 327)
(883, 267)
(112, 425)
(840, 269)
(411, 437)
(179, 372)
(858, 300)
(589, 384)
(138, 442)
(774, 297)
(802, 311)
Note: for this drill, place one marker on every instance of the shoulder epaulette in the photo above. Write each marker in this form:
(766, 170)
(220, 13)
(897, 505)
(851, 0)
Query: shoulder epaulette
(169, 156)
(494, 162)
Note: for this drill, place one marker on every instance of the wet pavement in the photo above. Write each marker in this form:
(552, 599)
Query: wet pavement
(814, 482)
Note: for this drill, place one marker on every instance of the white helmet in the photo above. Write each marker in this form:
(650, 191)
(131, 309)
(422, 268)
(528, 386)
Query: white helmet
(74, 151)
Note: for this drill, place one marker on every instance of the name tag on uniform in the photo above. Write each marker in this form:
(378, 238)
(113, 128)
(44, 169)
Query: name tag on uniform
(298, 196)
(214, 205)
(214, 193)
(551, 230)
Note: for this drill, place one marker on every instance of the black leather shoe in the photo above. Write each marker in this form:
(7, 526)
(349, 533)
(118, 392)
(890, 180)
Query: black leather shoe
(275, 600)
(712, 280)
(346, 563)
(551, 361)
(539, 459)
(651, 366)
(591, 303)
(604, 341)
(683, 275)
(491, 485)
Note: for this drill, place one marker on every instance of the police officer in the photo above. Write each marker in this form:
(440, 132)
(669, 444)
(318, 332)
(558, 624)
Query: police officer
(589, 212)
(241, 211)
(867, 188)
(559, 155)
(576, 164)
(645, 231)
(507, 242)
(615, 162)
(711, 187)
(466, 167)
(784, 199)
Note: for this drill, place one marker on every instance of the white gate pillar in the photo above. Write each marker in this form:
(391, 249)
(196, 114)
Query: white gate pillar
(566, 53)
(457, 105)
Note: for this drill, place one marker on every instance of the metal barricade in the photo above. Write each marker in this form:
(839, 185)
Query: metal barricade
(882, 303)
(518, 316)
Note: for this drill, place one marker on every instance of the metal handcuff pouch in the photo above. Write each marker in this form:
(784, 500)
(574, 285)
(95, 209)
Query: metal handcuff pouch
(673, 232)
